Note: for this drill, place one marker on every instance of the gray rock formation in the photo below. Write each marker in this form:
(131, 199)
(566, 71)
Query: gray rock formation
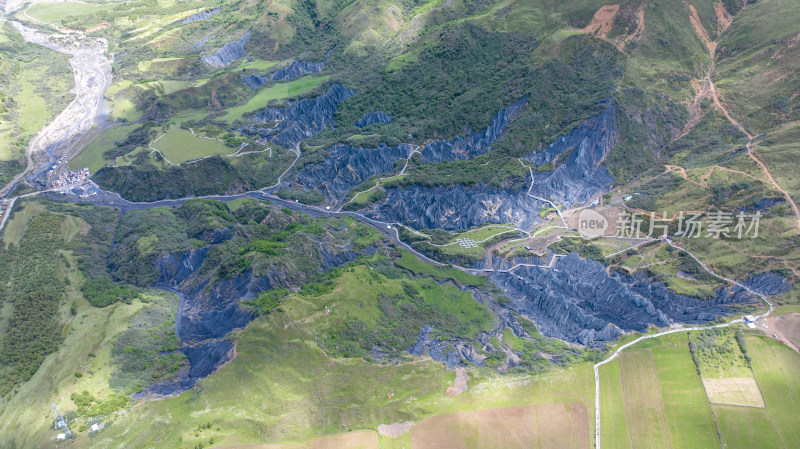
(228, 53)
(294, 70)
(578, 301)
(200, 44)
(346, 167)
(201, 16)
(456, 207)
(582, 174)
(300, 119)
(476, 143)
(209, 308)
(372, 118)
(771, 284)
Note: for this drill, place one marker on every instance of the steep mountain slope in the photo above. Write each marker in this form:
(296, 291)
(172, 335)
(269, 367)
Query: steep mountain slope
(395, 196)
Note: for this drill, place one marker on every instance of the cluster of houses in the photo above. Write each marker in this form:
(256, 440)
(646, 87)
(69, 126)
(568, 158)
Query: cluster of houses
(72, 178)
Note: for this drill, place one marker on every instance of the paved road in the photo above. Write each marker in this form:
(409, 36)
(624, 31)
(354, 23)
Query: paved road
(390, 230)
(667, 332)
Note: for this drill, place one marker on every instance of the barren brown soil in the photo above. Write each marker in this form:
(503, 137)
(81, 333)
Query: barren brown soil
(787, 328)
(559, 426)
(361, 439)
(460, 384)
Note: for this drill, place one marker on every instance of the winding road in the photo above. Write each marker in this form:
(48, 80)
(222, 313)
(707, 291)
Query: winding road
(92, 74)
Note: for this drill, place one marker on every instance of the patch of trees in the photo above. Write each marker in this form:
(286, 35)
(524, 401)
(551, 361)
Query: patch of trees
(102, 291)
(266, 301)
(488, 169)
(302, 196)
(142, 237)
(147, 351)
(30, 278)
(143, 181)
(202, 215)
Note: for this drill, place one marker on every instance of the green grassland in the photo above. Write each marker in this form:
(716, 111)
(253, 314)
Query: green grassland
(276, 92)
(92, 155)
(180, 145)
(56, 12)
(26, 104)
(368, 310)
(680, 401)
(416, 266)
(778, 150)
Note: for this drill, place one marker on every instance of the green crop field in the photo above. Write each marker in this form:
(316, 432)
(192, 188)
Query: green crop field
(680, 404)
(686, 408)
(178, 145)
(656, 398)
(776, 368)
(643, 400)
(279, 91)
(614, 430)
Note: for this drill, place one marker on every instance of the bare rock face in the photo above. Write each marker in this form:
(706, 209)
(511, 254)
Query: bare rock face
(228, 53)
(456, 207)
(476, 143)
(772, 284)
(578, 158)
(579, 301)
(201, 16)
(578, 176)
(300, 119)
(346, 167)
(372, 118)
(294, 70)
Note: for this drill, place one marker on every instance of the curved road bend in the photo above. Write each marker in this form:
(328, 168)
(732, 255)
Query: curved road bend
(671, 331)
(390, 230)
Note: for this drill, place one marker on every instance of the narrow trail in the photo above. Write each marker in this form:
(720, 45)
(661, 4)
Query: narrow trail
(709, 90)
(378, 181)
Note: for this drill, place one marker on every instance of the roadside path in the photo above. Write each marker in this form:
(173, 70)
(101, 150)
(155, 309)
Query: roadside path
(597, 432)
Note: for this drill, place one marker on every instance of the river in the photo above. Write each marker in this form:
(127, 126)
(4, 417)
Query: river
(91, 67)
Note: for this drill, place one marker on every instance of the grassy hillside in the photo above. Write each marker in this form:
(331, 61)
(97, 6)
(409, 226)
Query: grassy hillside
(26, 105)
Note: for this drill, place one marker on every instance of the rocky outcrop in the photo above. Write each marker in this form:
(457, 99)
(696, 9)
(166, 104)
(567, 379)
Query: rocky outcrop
(300, 119)
(579, 301)
(346, 167)
(209, 306)
(476, 143)
(228, 53)
(201, 16)
(294, 70)
(372, 118)
(456, 207)
(575, 180)
(200, 44)
(770, 284)
(578, 158)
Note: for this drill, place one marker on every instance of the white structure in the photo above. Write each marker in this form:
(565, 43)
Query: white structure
(61, 437)
(95, 427)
